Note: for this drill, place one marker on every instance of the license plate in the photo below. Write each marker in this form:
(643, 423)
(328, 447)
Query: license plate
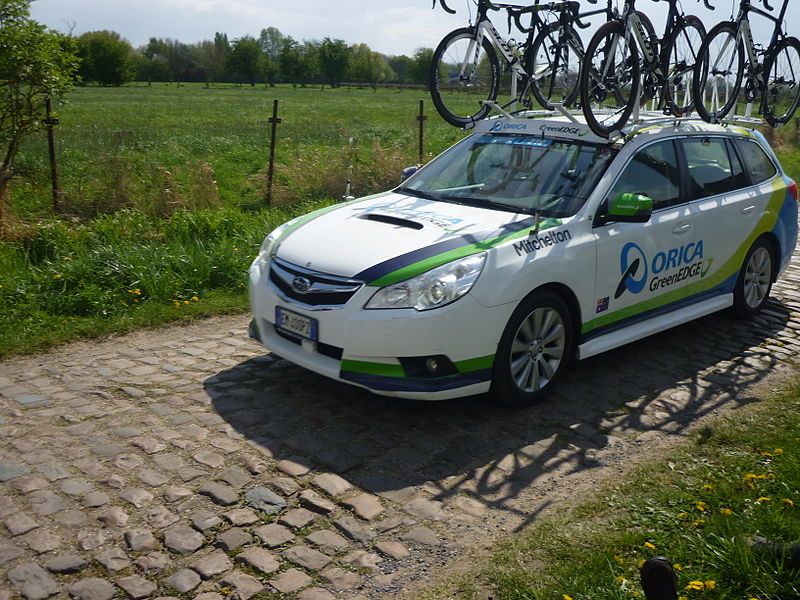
(295, 323)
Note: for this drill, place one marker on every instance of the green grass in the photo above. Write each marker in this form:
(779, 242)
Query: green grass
(123, 147)
(738, 478)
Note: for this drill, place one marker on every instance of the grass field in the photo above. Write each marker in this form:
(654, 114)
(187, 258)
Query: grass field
(124, 147)
(735, 479)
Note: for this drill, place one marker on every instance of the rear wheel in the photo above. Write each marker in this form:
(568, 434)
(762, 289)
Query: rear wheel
(782, 70)
(609, 79)
(755, 279)
(534, 350)
(679, 59)
(717, 77)
(463, 73)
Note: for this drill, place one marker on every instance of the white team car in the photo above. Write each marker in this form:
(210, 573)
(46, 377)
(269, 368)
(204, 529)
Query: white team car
(527, 243)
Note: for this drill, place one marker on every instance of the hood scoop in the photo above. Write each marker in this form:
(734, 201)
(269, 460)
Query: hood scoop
(392, 220)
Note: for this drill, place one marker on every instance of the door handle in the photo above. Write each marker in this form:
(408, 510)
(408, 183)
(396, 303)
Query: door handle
(682, 228)
(748, 209)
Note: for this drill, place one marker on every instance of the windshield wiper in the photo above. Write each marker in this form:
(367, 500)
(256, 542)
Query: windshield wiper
(486, 203)
(416, 193)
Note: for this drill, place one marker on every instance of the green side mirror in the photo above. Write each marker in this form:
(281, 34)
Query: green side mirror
(630, 208)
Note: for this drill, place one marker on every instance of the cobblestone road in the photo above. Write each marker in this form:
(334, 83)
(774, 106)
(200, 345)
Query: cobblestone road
(187, 463)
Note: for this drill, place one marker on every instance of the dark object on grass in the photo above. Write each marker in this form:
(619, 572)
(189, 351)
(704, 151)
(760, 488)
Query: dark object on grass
(658, 579)
(787, 552)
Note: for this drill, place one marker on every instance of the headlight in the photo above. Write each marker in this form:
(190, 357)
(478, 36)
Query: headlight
(437, 287)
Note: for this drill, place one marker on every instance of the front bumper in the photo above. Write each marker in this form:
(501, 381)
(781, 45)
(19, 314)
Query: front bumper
(382, 350)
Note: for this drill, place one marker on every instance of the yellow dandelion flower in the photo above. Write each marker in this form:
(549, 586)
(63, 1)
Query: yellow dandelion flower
(696, 585)
(711, 584)
(621, 580)
(195, 299)
(619, 559)
(708, 487)
(137, 291)
(701, 506)
(682, 598)
(787, 502)
(764, 499)
(777, 451)
(649, 545)
(770, 476)
(725, 511)
(57, 276)
(640, 564)
(766, 454)
(67, 258)
(677, 567)
(698, 522)
(566, 597)
(186, 302)
(682, 515)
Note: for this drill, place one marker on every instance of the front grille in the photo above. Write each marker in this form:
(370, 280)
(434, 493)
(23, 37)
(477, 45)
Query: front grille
(311, 288)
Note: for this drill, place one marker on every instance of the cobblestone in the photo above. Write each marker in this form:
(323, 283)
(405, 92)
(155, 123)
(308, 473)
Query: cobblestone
(157, 454)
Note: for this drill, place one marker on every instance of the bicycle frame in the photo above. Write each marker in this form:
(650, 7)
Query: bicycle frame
(744, 36)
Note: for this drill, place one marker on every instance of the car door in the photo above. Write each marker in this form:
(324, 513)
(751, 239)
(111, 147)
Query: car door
(641, 267)
(729, 192)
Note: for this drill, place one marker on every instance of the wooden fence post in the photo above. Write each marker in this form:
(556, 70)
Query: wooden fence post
(421, 118)
(274, 120)
(51, 143)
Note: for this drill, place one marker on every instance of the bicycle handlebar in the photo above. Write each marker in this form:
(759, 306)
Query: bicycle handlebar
(767, 5)
(706, 2)
(446, 8)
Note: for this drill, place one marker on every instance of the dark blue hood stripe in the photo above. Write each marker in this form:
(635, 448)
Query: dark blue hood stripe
(375, 272)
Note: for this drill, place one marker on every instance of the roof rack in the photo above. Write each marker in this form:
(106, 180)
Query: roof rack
(639, 120)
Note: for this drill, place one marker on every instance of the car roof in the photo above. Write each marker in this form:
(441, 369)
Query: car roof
(573, 127)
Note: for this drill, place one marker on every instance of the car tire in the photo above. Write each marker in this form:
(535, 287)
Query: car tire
(534, 350)
(755, 279)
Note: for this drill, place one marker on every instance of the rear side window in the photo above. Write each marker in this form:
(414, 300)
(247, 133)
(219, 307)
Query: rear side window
(756, 161)
(653, 171)
(713, 167)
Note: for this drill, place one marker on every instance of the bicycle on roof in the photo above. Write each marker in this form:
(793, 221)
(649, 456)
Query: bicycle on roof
(466, 75)
(728, 55)
(627, 65)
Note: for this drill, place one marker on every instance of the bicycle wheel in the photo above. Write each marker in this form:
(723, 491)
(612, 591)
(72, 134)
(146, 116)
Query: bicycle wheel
(463, 74)
(678, 61)
(609, 73)
(554, 66)
(717, 76)
(649, 81)
(782, 93)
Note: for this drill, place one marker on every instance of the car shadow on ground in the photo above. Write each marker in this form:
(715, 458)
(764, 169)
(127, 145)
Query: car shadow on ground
(475, 448)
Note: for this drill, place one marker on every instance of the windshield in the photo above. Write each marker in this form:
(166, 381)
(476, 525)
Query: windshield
(514, 172)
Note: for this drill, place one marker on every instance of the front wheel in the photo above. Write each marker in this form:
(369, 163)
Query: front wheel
(463, 74)
(755, 279)
(553, 65)
(717, 76)
(534, 350)
(782, 93)
(609, 79)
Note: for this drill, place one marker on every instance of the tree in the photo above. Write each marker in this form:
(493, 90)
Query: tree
(271, 41)
(36, 63)
(334, 56)
(106, 58)
(246, 59)
(369, 66)
(299, 61)
(401, 65)
(212, 57)
(420, 70)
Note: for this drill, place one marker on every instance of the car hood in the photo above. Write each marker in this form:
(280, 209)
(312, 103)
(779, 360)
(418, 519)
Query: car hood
(392, 236)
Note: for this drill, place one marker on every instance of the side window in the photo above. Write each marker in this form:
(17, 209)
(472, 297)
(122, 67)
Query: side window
(713, 166)
(757, 163)
(653, 171)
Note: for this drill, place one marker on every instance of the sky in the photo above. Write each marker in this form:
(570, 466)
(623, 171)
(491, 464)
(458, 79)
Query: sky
(391, 27)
